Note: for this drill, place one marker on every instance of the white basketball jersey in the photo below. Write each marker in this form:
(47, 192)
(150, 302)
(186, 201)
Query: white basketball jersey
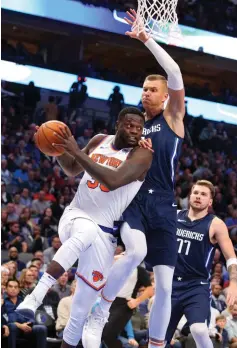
(102, 205)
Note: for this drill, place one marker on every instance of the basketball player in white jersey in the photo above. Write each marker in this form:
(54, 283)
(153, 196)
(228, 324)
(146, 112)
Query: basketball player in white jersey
(86, 228)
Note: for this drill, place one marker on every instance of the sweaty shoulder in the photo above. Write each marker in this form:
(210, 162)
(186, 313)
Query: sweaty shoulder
(93, 143)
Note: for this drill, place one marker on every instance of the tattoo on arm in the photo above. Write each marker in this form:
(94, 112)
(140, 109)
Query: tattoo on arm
(232, 269)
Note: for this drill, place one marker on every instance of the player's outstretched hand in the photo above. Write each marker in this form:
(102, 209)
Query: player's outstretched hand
(137, 25)
(146, 144)
(67, 142)
(231, 296)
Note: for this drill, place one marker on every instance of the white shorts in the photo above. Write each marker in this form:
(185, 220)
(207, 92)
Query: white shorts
(95, 262)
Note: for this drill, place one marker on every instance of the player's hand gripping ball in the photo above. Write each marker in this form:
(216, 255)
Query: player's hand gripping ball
(46, 135)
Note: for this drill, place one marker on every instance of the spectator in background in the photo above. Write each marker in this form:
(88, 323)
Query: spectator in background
(51, 109)
(39, 242)
(17, 204)
(31, 96)
(219, 205)
(58, 207)
(20, 176)
(39, 205)
(5, 197)
(25, 199)
(39, 255)
(115, 103)
(11, 213)
(63, 311)
(4, 278)
(32, 184)
(231, 222)
(218, 300)
(35, 271)
(6, 175)
(50, 252)
(222, 334)
(26, 282)
(48, 224)
(15, 238)
(13, 255)
(83, 140)
(62, 287)
(12, 267)
(205, 137)
(17, 325)
(231, 327)
(220, 137)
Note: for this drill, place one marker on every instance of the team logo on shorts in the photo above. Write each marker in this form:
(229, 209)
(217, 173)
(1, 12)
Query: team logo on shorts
(97, 276)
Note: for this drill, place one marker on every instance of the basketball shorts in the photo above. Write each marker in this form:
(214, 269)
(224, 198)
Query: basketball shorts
(95, 262)
(191, 298)
(156, 216)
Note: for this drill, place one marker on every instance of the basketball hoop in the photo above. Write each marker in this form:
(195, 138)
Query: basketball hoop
(159, 18)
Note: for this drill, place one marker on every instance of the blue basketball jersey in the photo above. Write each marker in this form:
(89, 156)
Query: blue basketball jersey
(167, 149)
(195, 251)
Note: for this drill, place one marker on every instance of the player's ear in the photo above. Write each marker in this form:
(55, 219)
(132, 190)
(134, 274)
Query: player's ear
(210, 203)
(166, 96)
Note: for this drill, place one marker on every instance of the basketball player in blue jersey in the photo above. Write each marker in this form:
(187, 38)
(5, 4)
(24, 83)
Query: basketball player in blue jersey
(153, 211)
(198, 234)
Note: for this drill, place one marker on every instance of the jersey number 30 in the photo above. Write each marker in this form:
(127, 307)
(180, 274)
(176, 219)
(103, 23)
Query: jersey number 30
(92, 184)
(184, 246)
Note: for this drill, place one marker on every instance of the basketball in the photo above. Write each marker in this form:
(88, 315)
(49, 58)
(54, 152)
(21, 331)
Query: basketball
(45, 137)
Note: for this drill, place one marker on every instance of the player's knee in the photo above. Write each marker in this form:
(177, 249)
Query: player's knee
(163, 280)
(136, 254)
(199, 329)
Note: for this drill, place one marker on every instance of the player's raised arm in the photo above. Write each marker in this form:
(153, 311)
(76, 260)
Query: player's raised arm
(221, 235)
(175, 106)
(134, 168)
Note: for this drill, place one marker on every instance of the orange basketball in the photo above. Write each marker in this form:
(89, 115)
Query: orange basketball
(45, 137)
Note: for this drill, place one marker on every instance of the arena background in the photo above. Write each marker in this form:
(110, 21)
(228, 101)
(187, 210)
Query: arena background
(75, 53)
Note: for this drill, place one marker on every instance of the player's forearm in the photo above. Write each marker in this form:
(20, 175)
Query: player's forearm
(148, 292)
(69, 165)
(105, 176)
(175, 80)
(232, 269)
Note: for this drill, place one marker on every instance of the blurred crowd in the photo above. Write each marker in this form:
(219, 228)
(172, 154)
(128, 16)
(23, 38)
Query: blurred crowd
(35, 191)
(213, 15)
(96, 69)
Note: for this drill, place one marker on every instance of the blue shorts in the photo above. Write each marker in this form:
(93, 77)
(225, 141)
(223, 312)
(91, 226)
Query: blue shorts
(191, 298)
(156, 216)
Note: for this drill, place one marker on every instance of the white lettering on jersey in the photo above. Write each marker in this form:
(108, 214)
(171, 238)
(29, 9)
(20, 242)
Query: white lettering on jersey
(152, 129)
(189, 234)
(94, 198)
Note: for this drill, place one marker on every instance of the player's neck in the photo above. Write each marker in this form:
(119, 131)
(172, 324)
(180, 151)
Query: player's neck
(196, 214)
(119, 143)
(153, 112)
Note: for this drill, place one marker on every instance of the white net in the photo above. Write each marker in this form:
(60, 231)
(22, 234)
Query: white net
(159, 18)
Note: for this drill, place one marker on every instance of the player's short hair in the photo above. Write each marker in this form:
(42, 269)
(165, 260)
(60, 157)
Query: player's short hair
(156, 77)
(205, 183)
(130, 110)
(220, 317)
(160, 78)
